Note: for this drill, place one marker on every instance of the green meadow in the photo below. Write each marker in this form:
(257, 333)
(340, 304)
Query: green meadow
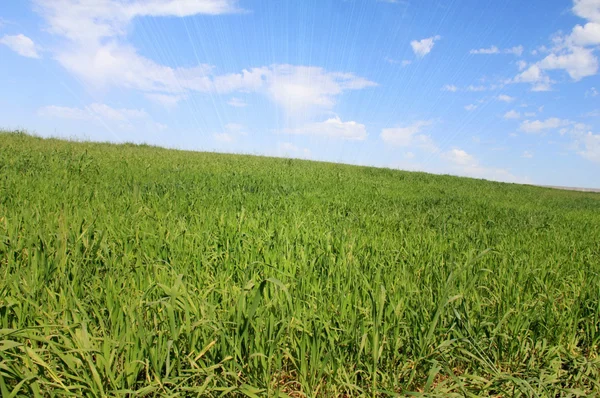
(130, 270)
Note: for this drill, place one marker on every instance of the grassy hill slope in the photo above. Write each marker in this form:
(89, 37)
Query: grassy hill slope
(133, 270)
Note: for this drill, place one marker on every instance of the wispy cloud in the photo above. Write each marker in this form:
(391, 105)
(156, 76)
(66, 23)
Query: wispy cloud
(93, 111)
(287, 149)
(463, 163)
(404, 62)
(167, 100)
(591, 147)
(410, 136)
(21, 44)
(231, 133)
(512, 115)
(104, 115)
(332, 128)
(491, 50)
(517, 50)
(450, 87)
(476, 88)
(537, 126)
(236, 102)
(505, 98)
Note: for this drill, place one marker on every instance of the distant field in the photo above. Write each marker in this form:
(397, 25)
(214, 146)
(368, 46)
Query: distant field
(572, 188)
(138, 271)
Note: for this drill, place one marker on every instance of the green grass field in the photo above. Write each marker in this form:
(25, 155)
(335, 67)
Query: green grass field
(138, 271)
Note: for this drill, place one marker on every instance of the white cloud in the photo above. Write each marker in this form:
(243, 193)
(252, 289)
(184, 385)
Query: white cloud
(459, 157)
(224, 137)
(181, 8)
(537, 126)
(287, 149)
(527, 155)
(535, 76)
(574, 128)
(542, 86)
(231, 132)
(588, 9)
(88, 22)
(591, 143)
(297, 88)
(97, 53)
(594, 113)
(569, 52)
(517, 50)
(471, 107)
(505, 98)
(332, 128)
(476, 88)
(578, 62)
(424, 47)
(532, 74)
(119, 65)
(450, 87)
(492, 173)
(465, 164)
(491, 50)
(237, 102)
(469, 88)
(459, 162)
(521, 65)
(512, 115)
(21, 44)
(409, 136)
(592, 92)
(106, 116)
(94, 111)
(106, 112)
(167, 100)
(64, 112)
(586, 35)
(287, 146)
(404, 62)
(236, 128)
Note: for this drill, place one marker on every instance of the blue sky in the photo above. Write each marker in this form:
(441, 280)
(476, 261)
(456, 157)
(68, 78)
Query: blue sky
(502, 90)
